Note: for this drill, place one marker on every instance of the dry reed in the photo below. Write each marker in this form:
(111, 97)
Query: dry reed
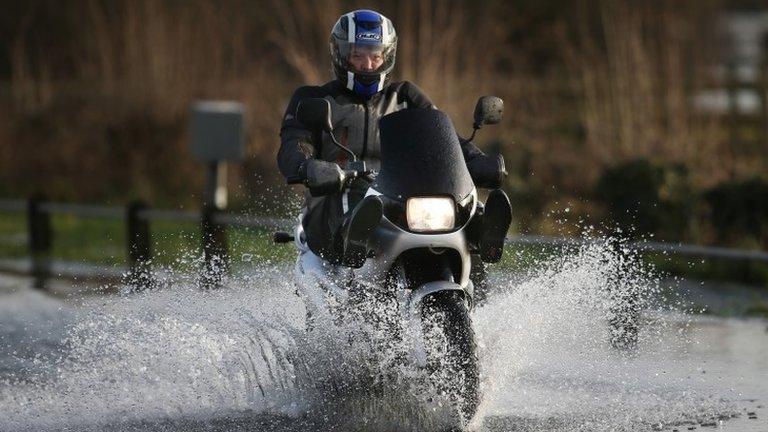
(614, 82)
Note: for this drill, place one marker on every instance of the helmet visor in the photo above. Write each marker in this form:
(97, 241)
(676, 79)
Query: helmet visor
(367, 58)
(364, 58)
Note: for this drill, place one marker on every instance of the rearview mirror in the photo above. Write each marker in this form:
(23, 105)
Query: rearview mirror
(315, 114)
(488, 110)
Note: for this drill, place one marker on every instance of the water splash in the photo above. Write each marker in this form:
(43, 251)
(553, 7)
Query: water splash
(239, 358)
(160, 354)
(547, 352)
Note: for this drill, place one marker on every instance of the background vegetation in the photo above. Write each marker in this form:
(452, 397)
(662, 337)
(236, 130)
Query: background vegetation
(94, 100)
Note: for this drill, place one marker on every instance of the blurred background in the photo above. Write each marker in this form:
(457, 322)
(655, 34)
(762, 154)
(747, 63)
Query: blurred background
(641, 114)
(649, 117)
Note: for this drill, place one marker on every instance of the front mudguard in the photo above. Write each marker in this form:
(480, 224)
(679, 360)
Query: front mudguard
(412, 306)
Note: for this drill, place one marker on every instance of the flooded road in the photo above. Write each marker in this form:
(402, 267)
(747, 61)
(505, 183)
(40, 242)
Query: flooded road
(239, 359)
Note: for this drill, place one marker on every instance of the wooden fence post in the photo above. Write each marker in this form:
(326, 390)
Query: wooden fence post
(624, 314)
(214, 248)
(40, 241)
(139, 248)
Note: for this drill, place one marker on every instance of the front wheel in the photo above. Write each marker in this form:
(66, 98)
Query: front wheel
(452, 362)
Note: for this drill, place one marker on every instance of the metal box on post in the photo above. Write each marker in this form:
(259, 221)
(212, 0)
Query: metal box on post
(217, 131)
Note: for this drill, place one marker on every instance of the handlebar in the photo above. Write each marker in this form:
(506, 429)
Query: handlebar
(295, 180)
(353, 170)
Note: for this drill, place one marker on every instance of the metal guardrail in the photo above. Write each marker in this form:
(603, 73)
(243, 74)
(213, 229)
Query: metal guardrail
(702, 251)
(252, 221)
(13, 206)
(94, 211)
(538, 240)
(113, 212)
(169, 215)
(681, 249)
(214, 223)
(137, 216)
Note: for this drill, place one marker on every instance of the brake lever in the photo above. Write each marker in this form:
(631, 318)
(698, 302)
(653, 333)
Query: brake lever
(369, 175)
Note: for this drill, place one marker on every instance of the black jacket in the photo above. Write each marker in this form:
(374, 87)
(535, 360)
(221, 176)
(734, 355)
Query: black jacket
(355, 123)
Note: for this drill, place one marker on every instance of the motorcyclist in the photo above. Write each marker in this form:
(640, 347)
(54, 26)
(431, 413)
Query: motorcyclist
(363, 46)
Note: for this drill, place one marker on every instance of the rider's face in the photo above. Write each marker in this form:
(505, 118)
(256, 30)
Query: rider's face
(365, 59)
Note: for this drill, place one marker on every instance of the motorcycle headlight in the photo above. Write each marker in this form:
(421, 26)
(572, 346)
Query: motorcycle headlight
(430, 214)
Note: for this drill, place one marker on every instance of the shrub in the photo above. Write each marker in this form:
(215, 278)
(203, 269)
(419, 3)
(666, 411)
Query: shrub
(739, 211)
(645, 198)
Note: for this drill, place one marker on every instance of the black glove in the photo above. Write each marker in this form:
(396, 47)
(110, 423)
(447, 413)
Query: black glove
(321, 177)
(487, 171)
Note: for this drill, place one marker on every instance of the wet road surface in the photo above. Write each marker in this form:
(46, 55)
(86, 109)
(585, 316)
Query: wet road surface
(231, 360)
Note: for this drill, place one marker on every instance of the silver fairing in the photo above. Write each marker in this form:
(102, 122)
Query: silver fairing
(324, 286)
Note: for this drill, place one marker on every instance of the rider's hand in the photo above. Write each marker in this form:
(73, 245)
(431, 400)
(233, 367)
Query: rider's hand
(487, 171)
(321, 177)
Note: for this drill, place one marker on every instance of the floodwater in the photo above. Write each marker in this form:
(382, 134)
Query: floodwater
(239, 358)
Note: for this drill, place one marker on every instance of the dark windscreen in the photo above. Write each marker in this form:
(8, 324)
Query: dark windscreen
(421, 156)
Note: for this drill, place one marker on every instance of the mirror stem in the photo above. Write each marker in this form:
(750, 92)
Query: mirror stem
(338, 144)
(474, 131)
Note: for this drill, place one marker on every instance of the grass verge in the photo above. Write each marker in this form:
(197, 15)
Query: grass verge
(103, 241)
(176, 244)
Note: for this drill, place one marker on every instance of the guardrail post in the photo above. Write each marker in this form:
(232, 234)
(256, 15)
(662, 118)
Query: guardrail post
(139, 248)
(625, 301)
(40, 241)
(214, 248)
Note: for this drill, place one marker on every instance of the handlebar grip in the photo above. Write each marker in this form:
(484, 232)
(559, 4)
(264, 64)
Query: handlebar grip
(282, 237)
(295, 180)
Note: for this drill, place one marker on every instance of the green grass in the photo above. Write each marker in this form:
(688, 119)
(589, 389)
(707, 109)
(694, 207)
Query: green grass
(752, 273)
(99, 241)
(521, 258)
(759, 310)
(176, 244)
(13, 236)
(248, 244)
(103, 241)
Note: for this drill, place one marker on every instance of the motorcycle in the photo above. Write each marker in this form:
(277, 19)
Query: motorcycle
(419, 256)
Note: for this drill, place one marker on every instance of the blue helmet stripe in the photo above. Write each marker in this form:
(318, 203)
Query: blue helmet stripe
(367, 16)
(366, 90)
(369, 29)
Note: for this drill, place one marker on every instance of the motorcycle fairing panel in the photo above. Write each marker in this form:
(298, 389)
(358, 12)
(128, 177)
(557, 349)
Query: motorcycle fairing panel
(423, 265)
(421, 157)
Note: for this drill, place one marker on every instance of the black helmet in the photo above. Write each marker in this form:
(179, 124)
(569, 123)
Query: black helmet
(364, 34)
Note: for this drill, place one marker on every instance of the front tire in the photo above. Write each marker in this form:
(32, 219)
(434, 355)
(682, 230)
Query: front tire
(450, 345)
